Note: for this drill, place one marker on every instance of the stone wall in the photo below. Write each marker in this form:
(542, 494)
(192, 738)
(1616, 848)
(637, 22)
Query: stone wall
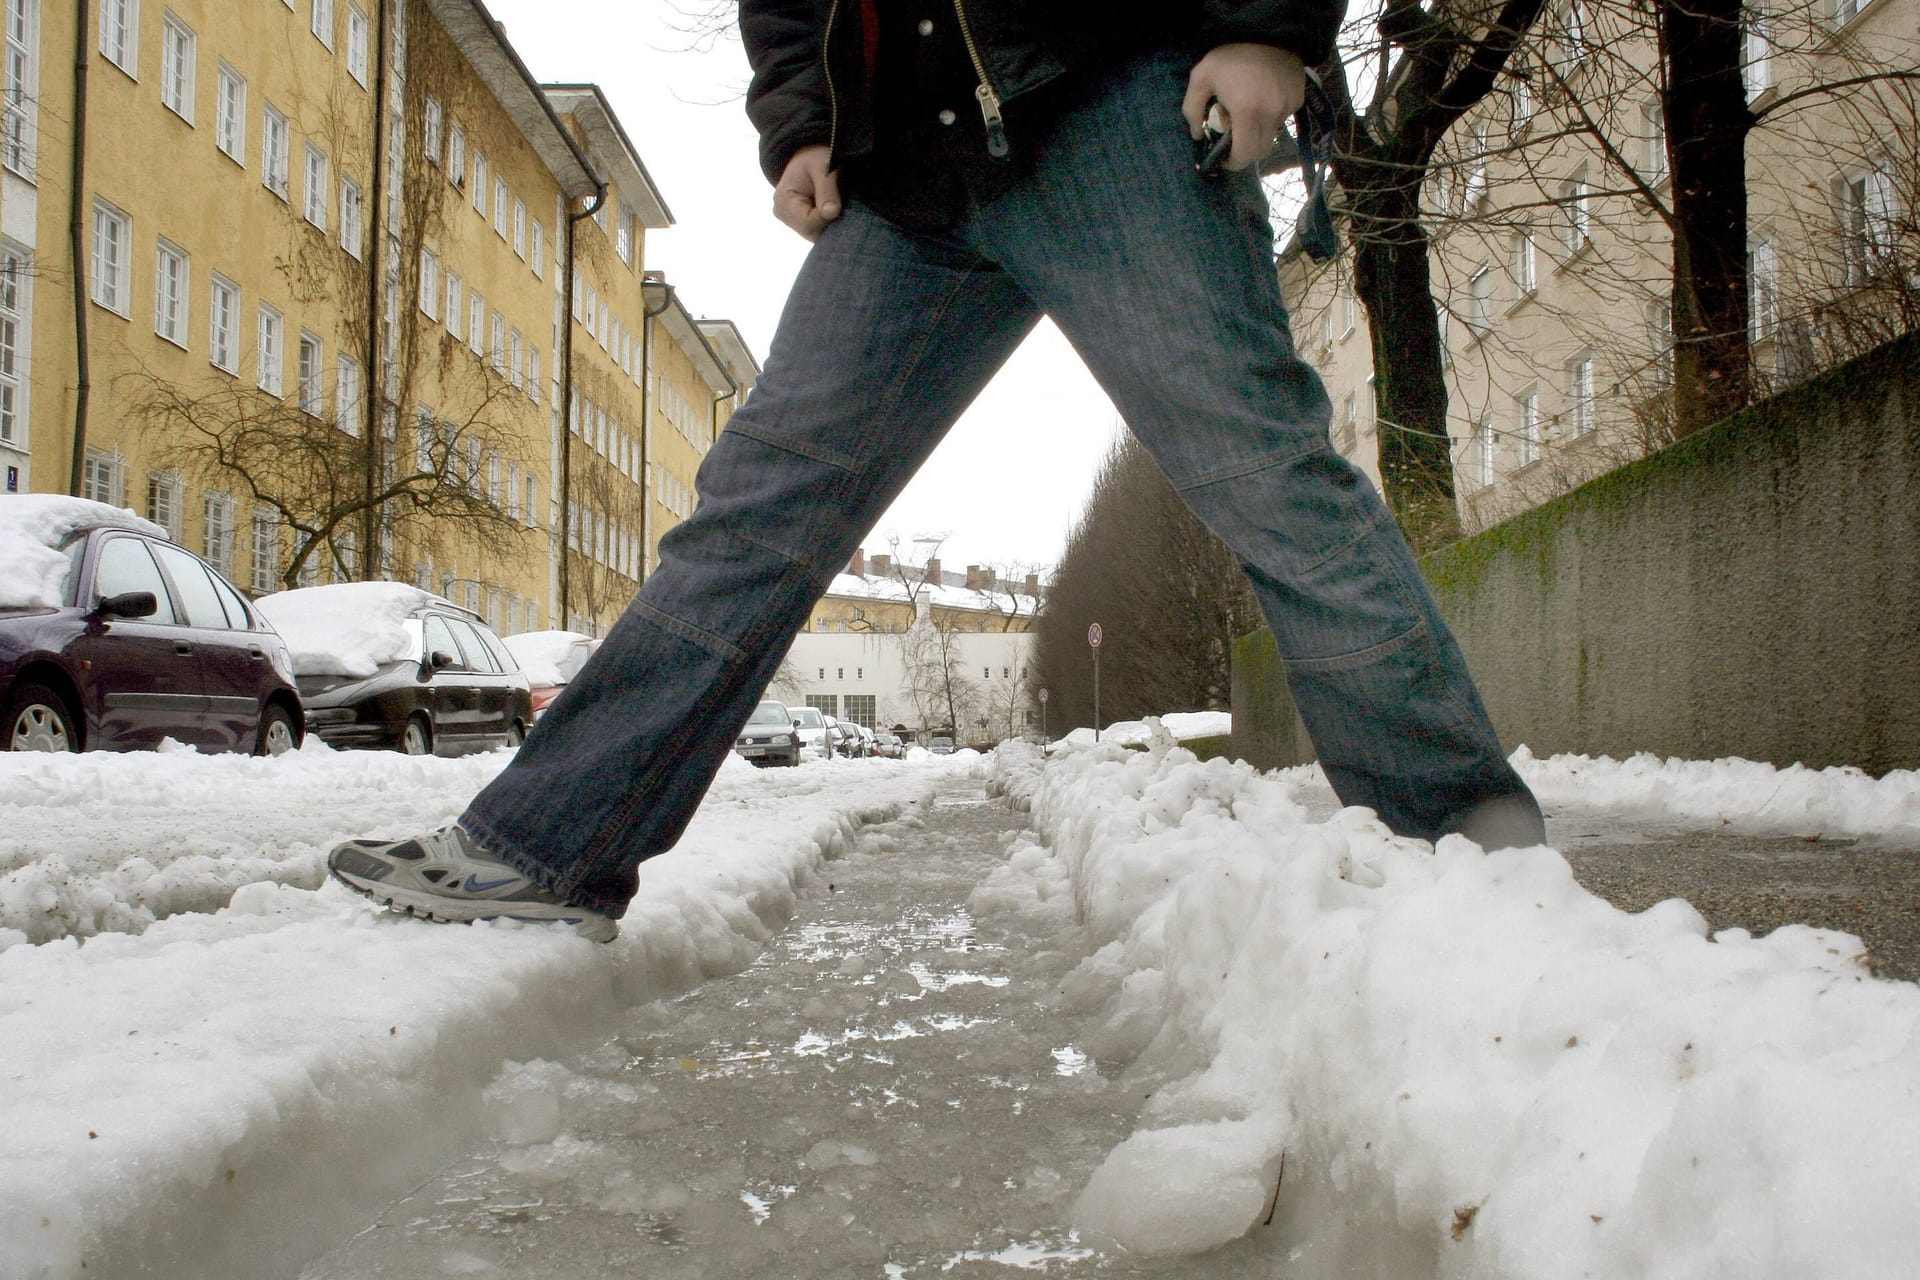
(1751, 591)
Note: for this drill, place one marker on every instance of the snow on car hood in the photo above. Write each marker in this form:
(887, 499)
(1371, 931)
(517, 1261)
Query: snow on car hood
(347, 628)
(33, 572)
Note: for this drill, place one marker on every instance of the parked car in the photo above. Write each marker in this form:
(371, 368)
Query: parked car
(112, 638)
(940, 744)
(869, 745)
(846, 742)
(385, 664)
(550, 659)
(812, 725)
(887, 745)
(769, 736)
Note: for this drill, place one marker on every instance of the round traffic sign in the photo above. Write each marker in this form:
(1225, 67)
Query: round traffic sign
(1093, 635)
(1043, 695)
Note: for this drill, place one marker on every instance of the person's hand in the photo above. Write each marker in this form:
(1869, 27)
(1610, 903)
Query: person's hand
(807, 197)
(1258, 86)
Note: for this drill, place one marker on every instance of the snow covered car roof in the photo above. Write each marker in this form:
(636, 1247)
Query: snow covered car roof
(544, 655)
(33, 570)
(351, 628)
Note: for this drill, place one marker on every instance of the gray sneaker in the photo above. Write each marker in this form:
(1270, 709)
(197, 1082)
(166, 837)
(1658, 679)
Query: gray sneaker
(444, 876)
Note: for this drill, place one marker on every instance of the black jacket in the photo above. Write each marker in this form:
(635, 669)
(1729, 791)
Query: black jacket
(801, 96)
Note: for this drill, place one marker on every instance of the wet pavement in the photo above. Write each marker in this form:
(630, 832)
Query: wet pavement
(888, 1092)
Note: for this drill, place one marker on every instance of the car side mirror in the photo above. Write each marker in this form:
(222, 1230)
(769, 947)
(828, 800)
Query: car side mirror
(128, 604)
(440, 660)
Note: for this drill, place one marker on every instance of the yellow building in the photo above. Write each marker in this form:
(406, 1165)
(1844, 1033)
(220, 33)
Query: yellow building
(1551, 268)
(334, 289)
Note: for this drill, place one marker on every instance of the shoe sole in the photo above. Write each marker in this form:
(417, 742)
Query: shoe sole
(594, 928)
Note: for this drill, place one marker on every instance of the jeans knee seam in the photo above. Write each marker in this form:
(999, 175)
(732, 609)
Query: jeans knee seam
(826, 457)
(1240, 470)
(1358, 657)
(719, 646)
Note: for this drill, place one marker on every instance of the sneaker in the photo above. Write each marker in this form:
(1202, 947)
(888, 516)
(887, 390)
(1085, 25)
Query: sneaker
(444, 876)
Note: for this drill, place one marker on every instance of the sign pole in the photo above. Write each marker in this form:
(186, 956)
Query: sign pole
(1043, 720)
(1093, 642)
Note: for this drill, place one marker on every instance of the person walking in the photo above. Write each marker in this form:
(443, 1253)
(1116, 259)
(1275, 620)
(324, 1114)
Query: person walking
(964, 167)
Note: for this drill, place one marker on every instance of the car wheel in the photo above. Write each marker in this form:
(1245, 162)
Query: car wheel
(278, 735)
(515, 734)
(37, 719)
(417, 738)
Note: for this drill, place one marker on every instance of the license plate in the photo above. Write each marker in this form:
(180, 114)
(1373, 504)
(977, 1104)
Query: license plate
(753, 751)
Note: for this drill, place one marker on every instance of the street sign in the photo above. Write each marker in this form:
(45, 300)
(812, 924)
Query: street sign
(1043, 695)
(1093, 635)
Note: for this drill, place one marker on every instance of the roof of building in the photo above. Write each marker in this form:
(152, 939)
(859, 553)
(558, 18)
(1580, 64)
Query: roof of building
(891, 589)
(609, 144)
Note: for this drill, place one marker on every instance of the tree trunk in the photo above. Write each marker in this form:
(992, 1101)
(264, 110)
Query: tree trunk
(1392, 276)
(1701, 45)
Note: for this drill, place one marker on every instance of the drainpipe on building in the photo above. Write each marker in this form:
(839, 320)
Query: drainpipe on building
(374, 387)
(650, 314)
(566, 403)
(77, 245)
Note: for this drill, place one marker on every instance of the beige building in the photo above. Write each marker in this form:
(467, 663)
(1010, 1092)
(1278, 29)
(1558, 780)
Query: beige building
(1551, 263)
(334, 289)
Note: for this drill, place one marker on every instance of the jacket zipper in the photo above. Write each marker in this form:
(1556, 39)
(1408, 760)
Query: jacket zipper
(826, 72)
(983, 92)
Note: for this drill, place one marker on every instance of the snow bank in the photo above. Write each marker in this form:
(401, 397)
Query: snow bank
(1180, 725)
(347, 628)
(33, 573)
(1469, 1065)
(225, 1089)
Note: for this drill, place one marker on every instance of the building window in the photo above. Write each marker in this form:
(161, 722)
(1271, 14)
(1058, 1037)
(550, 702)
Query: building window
(1481, 459)
(265, 576)
(479, 184)
(453, 302)
(1525, 275)
(1576, 215)
(352, 203)
(21, 89)
(1480, 300)
(103, 477)
(860, 709)
(623, 232)
(498, 347)
(457, 156)
(177, 47)
(531, 511)
(828, 703)
(1844, 11)
(272, 329)
(274, 142)
(431, 127)
(319, 190)
(520, 228)
(346, 395)
(1476, 186)
(218, 547)
(112, 236)
(538, 249)
(1580, 395)
(429, 284)
(120, 33)
(1526, 413)
(1756, 51)
(500, 203)
(533, 373)
(1572, 37)
(311, 388)
(357, 41)
(1660, 341)
(323, 22)
(1868, 222)
(515, 355)
(13, 276)
(476, 321)
(230, 115)
(170, 294)
(1763, 289)
(223, 319)
(163, 502)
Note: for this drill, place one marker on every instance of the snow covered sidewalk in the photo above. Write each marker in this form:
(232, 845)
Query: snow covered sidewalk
(1470, 1065)
(234, 1083)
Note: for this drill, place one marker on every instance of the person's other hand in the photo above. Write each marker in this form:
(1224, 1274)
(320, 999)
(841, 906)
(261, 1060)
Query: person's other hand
(807, 197)
(1258, 86)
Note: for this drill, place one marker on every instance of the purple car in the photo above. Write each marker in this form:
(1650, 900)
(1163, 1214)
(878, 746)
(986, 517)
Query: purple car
(113, 638)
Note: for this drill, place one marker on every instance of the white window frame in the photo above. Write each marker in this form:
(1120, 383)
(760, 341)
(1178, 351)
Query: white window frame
(1480, 300)
(1576, 225)
(19, 136)
(359, 38)
(120, 34)
(352, 217)
(103, 477)
(538, 249)
(1526, 259)
(216, 531)
(322, 23)
(1763, 288)
(520, 229)
(501, 201)
(179, 51)
(1756, 49)
(516, 353)
(276, 143)
(319, 186)
(455, 302)
(1580, 419)
(172, 291)
(110, 279)
(429, 290)
(348, 387)
(476, 321)
(310, 368)
(533, 373)
(230, 115)
(165, 495)
(497, 347)
(433, 127)
(457, 155)
(1653, 143)
(270, 356)
(1526, 413)
(1482, 455)
(16, 278)
(480, 177)
(223, 324)
(263, 573)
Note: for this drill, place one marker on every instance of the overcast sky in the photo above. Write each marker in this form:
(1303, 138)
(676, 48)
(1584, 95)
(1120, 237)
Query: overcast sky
(1014, 473)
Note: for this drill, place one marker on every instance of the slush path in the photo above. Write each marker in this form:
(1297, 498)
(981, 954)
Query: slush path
(885, 1093)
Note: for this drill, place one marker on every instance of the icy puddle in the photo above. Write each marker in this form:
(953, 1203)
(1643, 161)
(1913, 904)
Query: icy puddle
(885, 1093)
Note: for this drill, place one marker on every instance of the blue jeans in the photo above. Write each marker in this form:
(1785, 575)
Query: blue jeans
(1165, 284)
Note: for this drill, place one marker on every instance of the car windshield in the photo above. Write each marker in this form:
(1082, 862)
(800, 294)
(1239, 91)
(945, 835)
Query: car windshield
(808, 718)
(769, 713)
